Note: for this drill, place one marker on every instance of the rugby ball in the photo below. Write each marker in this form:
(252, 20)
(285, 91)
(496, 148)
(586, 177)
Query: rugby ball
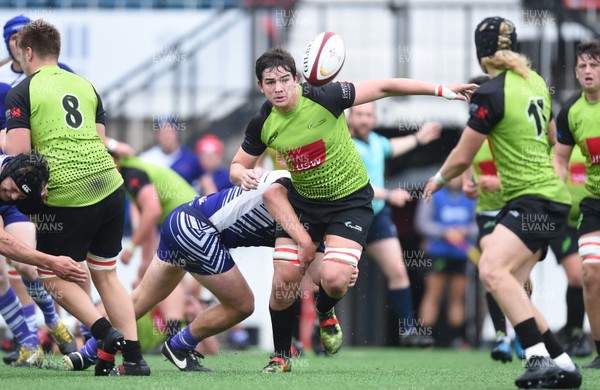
(323, 58)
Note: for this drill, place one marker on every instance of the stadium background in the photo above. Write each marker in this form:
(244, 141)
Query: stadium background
(192, 62)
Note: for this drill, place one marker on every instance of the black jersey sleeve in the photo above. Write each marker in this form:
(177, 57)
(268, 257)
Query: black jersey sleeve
(252, 143)
(100, 113)
(284, 181)
(135, 179)
(335, 97)
(487, 105)
(563, 132)
(18, 106)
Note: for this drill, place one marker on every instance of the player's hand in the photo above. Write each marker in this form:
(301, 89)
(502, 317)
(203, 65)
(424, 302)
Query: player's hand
(250, 179)
(430, 131)
(489, 183)
(459, 91)
(354, 277)
(431, 188)
(399, 197)
(126, 255)
(306, 255)
(68, 269)
(124, 150)
(469, 188)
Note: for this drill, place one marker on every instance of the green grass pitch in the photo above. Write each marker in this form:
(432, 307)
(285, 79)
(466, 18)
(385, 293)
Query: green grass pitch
(353, 368)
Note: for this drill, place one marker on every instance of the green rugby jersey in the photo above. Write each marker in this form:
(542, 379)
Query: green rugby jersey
(171, 188)
(483, 164)
(61, 110)
(313, 140)
(514, 112)
(577, 124)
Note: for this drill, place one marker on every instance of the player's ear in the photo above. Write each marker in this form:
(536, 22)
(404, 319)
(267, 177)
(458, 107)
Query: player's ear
(259, 83)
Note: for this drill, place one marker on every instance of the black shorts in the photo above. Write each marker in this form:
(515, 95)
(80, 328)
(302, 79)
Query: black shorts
(566, 244)
(349, 217)
(449, 266)
(382, 226)
(589, 216)
(485, 225)
(77, 231)
(535, 220)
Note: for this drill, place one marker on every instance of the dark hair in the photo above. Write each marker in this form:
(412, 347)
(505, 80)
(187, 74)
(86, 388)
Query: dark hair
(275, 58)
(42, 37)
(479, 79)
(591, 48)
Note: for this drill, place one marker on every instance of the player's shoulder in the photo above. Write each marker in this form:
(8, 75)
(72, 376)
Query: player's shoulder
(334, 88)
(491, 87)
(259, 118)
(571, 100)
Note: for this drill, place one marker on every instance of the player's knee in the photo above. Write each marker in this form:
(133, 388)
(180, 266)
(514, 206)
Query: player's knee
(284, 291)
(333, 278)
(246, 308)
(590, 274)
(398, 277)
(589, 251)
(336, 285)
(488, 274)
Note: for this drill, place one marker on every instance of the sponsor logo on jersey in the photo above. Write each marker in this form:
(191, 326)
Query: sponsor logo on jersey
(345, 90)
(272, 138)
(488, 168)
(15, 112)
(350, 225)
(577, 171)
(314, 125)
(307, 157)
(489, 224)
(481, 112)
(134, 183)
(593, 145)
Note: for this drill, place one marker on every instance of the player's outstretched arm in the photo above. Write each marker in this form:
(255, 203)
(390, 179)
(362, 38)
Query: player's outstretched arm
(458, 161)
(368, 91)
(64, 267)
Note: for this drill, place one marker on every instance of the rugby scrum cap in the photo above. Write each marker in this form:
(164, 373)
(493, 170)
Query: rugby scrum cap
(29, 171)
(12, 27)
(488, 39)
